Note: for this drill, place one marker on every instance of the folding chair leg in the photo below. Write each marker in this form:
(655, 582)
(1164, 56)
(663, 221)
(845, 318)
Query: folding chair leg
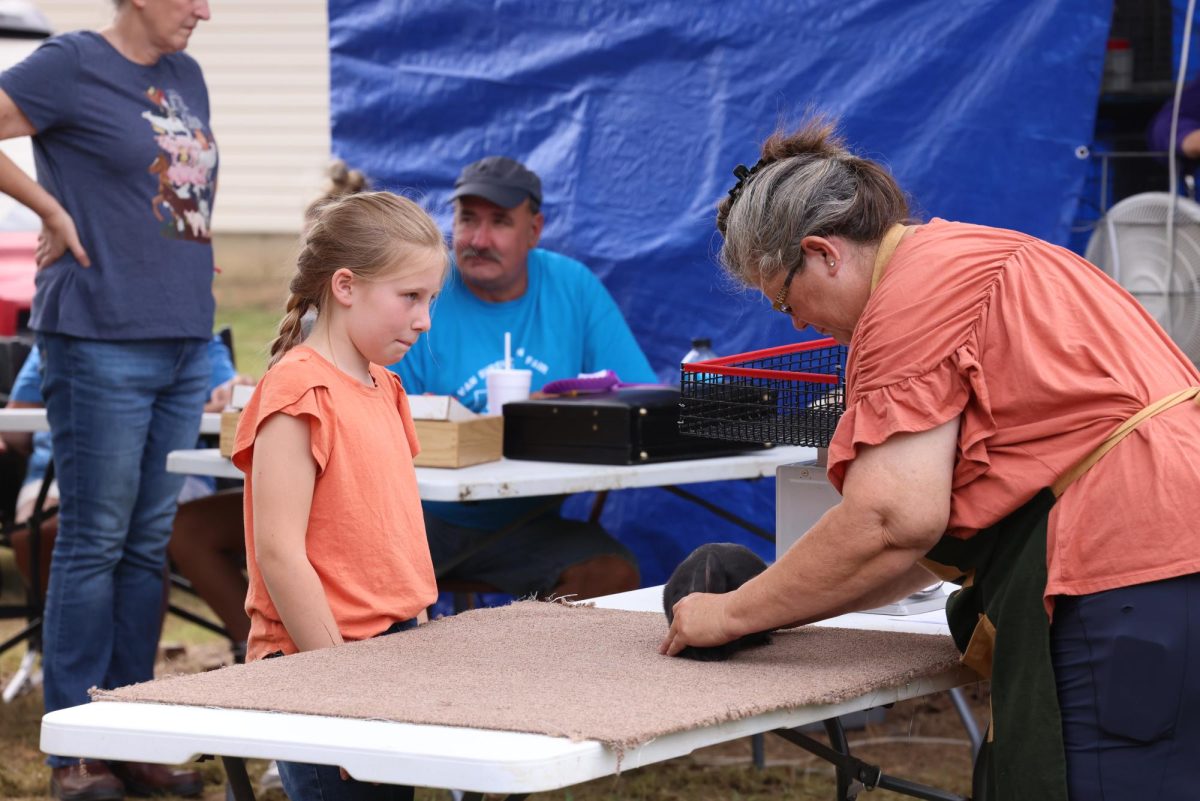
(28, 676)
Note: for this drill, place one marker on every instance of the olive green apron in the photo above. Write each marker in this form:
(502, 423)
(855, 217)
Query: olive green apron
(1000, 626)
(999, 622)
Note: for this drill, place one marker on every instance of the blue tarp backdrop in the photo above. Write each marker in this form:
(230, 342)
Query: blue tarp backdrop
(634, 113)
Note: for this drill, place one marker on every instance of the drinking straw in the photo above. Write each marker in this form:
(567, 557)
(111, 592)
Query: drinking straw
(507, 350)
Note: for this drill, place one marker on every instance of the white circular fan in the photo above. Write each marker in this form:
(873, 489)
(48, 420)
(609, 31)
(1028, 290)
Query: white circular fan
(1130, 244)
(1179, 315)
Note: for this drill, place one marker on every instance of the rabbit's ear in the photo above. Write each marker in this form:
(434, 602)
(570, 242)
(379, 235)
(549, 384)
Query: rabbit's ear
(714, 576)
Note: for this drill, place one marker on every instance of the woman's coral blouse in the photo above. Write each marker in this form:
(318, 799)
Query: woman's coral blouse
(1040, 356)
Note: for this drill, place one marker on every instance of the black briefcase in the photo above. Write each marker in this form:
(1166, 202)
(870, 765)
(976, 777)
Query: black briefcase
(624, 426)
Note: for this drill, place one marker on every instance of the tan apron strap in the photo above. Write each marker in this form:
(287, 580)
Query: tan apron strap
(982, 647)
(1110, 442)
(887, 246)
(944, 572)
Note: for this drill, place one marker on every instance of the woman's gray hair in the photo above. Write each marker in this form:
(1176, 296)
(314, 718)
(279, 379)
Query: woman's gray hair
(807, 184)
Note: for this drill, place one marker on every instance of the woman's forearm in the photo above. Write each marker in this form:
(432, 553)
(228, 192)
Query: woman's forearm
(300, 599)
(15, 183)
(840, 565)
(895, 505)
(915, 579)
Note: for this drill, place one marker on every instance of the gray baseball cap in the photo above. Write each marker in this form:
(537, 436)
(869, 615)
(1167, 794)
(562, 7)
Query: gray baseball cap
(499, 179)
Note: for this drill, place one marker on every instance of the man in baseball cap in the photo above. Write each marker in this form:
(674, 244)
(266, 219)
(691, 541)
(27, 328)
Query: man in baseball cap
(497, 222)
(562, 322)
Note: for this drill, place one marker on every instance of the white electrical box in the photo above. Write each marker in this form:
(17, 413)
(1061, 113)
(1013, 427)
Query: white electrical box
(802, 495)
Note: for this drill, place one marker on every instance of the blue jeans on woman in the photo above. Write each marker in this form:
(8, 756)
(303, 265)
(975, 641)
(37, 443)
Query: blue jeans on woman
(306, 782)
(116, 408)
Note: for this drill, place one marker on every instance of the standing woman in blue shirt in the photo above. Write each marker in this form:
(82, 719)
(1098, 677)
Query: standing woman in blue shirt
(126, 174)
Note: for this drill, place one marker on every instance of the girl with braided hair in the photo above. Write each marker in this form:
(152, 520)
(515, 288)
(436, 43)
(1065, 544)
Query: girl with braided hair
(1015, 421)
(335, 539)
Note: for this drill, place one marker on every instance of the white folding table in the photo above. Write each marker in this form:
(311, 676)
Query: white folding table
(473, 760)
(34, 420)
(510, 478)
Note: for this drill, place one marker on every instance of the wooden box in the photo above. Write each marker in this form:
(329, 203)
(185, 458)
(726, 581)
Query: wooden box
(239, 397)
(458, 443)
(229, 424)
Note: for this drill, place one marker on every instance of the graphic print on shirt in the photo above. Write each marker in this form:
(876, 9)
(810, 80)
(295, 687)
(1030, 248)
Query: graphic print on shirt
(184, 168)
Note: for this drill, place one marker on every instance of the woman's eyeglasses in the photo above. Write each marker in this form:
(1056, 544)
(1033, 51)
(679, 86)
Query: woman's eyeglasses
(778, 304)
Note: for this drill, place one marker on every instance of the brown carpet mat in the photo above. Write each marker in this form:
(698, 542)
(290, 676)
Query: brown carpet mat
(577, 672)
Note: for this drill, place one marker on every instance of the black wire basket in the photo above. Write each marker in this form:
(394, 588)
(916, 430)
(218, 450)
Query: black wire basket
(790, 395)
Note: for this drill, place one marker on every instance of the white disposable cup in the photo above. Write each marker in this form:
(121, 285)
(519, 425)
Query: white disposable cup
(506, 386)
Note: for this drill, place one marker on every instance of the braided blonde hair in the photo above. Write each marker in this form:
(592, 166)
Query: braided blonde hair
(366, 233)
(807, 184)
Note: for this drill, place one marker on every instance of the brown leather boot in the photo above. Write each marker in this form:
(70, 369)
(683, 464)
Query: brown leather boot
(148, 778)
(90, 780)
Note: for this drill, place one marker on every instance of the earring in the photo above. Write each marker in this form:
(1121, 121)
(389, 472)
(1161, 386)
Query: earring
(832, 262)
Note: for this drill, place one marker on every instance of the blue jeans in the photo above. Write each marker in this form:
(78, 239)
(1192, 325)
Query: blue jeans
(305, 782)
(115, 410)
(1127, 664)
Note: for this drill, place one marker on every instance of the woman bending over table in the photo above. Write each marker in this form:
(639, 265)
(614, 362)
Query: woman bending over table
(1014, 420)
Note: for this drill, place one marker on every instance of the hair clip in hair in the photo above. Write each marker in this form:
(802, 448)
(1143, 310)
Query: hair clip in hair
(744, 174)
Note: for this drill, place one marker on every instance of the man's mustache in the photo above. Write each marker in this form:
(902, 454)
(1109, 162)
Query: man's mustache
(470, 252)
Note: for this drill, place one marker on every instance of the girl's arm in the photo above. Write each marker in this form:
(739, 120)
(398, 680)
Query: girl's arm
(282, 477)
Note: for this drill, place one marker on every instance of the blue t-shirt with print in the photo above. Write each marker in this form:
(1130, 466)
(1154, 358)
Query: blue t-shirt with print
(127, 150)
(565, 324)
(27, 388)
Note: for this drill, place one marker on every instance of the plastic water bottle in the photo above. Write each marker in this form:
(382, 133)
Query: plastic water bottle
(701, 351)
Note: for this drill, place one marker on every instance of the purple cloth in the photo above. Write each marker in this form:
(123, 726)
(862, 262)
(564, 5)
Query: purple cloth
(1159, 135)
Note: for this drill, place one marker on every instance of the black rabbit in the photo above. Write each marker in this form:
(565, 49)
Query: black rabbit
(714, 567)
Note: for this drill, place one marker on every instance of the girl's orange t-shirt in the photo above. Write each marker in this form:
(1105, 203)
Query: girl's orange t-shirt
(366, 533)
(1040, 356)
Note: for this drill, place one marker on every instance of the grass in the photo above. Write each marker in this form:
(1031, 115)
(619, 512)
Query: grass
(253, 329)
(920, 740)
